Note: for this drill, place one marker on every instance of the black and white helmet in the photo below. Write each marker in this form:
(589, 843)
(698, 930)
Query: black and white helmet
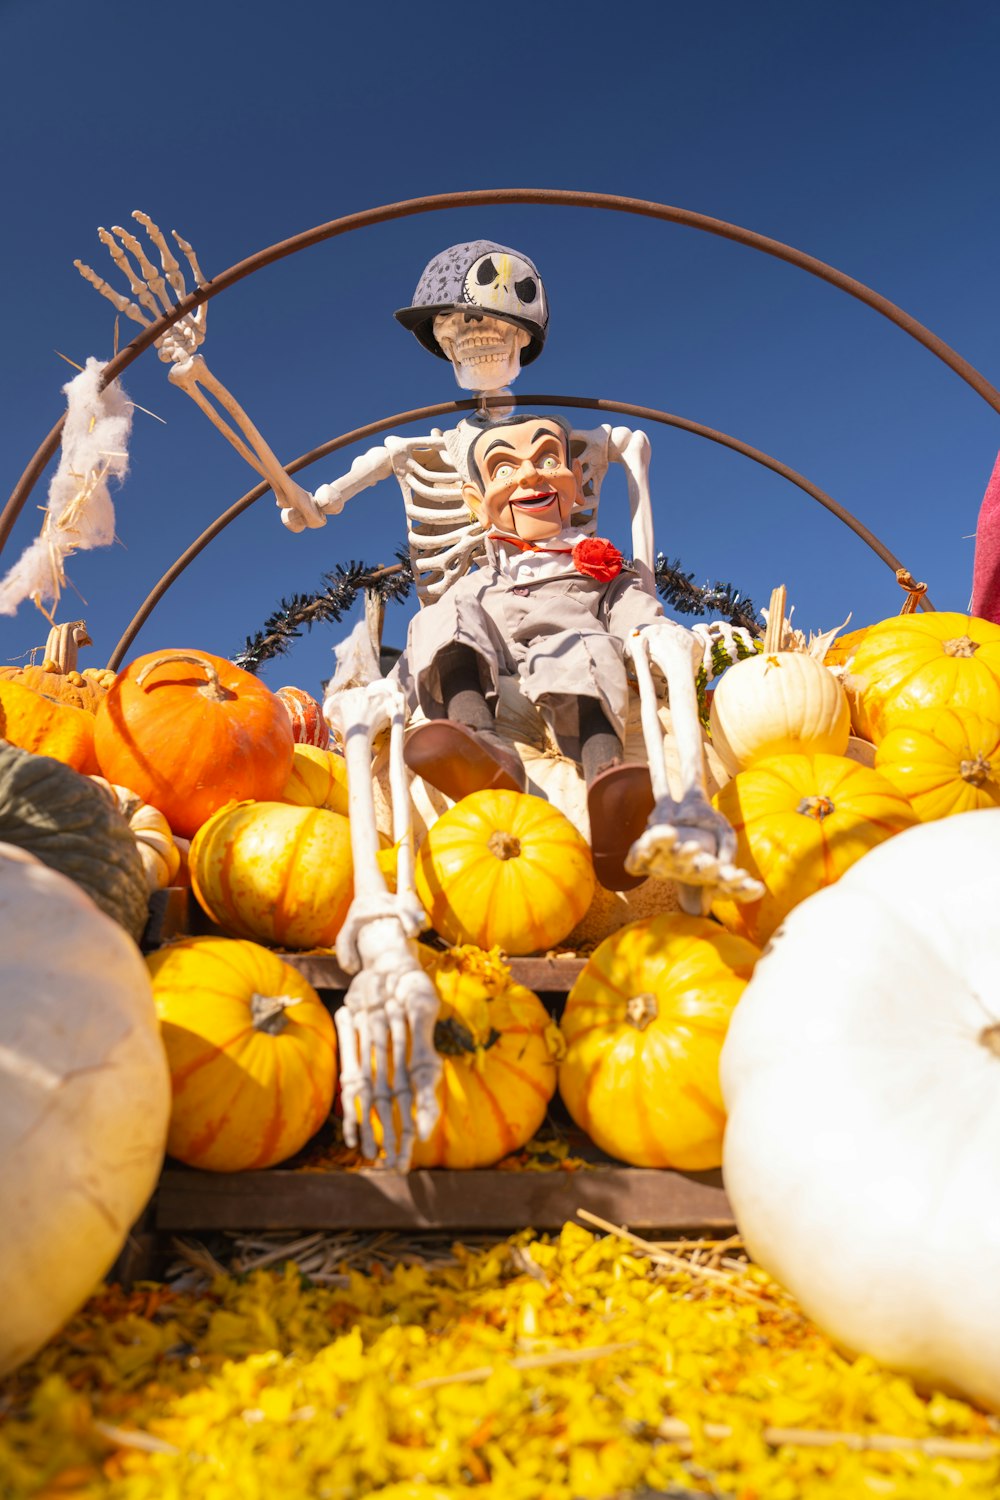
(500, 282)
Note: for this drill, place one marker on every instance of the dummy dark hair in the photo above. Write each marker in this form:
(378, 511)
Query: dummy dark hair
(514, 420)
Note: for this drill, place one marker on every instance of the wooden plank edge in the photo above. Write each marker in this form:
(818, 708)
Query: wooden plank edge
(440, 1200)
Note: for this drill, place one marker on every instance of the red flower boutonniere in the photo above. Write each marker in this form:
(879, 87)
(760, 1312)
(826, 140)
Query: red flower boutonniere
(598, 558)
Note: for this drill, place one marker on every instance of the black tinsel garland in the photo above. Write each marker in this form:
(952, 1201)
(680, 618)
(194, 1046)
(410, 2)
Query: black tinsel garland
(394, 581)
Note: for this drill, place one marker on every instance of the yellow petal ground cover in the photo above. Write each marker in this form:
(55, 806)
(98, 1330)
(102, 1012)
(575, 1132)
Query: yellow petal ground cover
(573, 1368)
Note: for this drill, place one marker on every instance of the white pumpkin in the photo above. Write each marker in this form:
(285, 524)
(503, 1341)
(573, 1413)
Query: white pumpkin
(861, 1075)
(84, 1098)
(779, 703)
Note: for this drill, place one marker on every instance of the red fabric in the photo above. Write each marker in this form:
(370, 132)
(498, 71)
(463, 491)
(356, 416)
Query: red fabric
(986, 567)
(598, 558)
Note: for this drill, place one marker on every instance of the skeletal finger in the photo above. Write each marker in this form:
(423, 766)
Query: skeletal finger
(350, 1072)
(124, 265)
(192, 259)
(368, 1146)
(168, 260)
(154, 280)
(382, 1096)
(122, 304)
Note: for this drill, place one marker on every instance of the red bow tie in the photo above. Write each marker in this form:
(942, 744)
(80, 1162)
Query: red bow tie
(522, 546)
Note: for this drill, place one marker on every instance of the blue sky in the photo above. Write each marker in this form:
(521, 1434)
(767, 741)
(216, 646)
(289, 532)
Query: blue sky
(864, 134)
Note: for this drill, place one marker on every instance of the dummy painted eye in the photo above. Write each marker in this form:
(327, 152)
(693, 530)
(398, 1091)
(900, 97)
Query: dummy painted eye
(549, 462)
(487, 272)
(526, 289)
(503, 471)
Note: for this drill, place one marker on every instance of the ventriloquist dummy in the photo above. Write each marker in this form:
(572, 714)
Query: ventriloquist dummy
(549, 606)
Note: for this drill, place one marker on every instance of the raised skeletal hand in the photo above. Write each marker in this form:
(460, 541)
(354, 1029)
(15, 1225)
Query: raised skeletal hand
(181, 342)
(158, 291)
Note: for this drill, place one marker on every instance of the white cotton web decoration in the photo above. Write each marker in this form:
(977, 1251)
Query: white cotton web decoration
(79, 514)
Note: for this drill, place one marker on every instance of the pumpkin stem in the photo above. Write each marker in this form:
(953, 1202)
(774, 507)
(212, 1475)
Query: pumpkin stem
(775, 631)
(63, 644)
(962, 645)
(816, 807)
(452, 1038)
(990, 1038)
(641, 1009)
(267, 1012)
(503, 845)
(211, 689)
(977, 772)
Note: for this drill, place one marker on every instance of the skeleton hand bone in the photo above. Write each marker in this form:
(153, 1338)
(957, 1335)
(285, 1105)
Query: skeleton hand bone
(736, 641)
(404, 907)
(383, 1008)
(178, 347)
(688, 841)
(181, 342)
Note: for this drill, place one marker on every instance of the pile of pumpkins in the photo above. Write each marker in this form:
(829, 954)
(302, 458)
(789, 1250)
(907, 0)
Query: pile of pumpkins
(184, 768)
(236, 789)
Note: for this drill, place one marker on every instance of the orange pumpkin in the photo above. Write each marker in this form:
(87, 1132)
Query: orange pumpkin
(917, 661)
(498, 1048)
(190, 732)
(274, 872)
(840, 652)
(251, 1050)
(308, 725)
(318, 778)
(943, 762)
(800, 822)
(503, 869)
(644, 1026)
(57, 677)
(45, 727)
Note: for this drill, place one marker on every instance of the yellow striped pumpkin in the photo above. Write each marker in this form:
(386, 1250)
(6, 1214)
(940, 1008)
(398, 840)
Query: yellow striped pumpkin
(937, 659)
(318, 778)
(498, 1048)
(251, 1050)
(503, 869)
(643, 1027)
(274, 873)
(943, 762)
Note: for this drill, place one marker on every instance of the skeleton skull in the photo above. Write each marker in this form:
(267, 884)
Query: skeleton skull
(485, 281)
(485, 352)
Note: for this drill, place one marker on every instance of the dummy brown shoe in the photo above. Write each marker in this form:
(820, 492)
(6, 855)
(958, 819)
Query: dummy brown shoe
(619, 802)
(458, 761)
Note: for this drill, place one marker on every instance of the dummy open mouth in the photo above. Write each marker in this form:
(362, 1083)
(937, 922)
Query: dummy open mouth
(536, 502)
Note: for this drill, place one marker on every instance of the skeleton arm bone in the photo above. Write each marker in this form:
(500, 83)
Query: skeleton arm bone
(685, 838)
(367, 469)
(631, 450)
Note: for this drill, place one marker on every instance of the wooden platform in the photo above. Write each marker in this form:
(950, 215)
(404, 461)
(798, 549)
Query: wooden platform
(484, 1201)
(471, 1202)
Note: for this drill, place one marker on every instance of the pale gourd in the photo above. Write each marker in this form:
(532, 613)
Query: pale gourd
(861, 1075)
(84, 1098)
(783, 701)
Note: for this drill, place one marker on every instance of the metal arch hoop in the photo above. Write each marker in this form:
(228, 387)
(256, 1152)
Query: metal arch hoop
(548, 197)
(447, 408)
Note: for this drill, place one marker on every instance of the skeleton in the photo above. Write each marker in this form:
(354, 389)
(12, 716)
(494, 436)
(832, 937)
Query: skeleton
(482, 307)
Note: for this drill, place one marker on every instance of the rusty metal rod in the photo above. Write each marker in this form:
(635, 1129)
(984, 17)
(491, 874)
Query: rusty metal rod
(448, 408)
(486, 197)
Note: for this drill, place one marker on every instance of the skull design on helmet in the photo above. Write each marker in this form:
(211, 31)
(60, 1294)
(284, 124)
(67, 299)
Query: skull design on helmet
(481, 280)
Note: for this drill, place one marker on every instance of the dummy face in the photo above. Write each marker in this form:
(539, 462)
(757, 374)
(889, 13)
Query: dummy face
(529, 487)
